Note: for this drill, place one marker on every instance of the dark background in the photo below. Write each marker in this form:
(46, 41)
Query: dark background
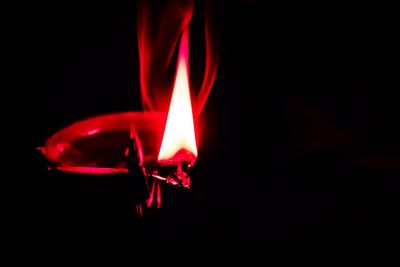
(299, 153)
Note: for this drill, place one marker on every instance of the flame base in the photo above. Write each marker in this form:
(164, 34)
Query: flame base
(176, 170)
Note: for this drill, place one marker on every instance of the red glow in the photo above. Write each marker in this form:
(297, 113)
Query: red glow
(159, 27)
(91, 170)
(94, 131)
(179, 130)
(158, 195)
(139, 211)
(155, 193)
(212, 57)
(150, 200)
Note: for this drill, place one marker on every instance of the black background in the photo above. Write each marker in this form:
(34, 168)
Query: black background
(299, 150)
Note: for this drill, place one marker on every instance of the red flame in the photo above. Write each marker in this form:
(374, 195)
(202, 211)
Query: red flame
(179, 130)
(160, 24)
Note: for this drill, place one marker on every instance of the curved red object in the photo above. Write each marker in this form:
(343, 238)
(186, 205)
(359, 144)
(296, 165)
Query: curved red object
(97, 145)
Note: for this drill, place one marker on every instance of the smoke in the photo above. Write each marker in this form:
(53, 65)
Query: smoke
(160, 27)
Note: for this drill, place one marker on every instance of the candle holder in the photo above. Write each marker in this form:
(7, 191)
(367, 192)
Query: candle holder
(117, 143)
(98, 145)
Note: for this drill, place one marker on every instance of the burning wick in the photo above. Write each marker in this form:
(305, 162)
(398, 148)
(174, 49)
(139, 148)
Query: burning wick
(174, 171)
(178, 150)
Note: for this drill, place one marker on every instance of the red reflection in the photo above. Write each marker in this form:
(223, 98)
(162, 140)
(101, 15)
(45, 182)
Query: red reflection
(91, 170)
(150, 200)
(139, 211)
(94, 131)
(158, 195)
(155, 194)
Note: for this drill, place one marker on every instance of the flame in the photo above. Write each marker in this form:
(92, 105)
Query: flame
(159, 26)
(179, 131)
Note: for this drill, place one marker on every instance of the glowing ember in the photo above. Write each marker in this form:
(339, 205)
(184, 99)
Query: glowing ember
(179, 132)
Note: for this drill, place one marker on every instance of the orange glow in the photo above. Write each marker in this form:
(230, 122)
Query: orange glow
(179, 130)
